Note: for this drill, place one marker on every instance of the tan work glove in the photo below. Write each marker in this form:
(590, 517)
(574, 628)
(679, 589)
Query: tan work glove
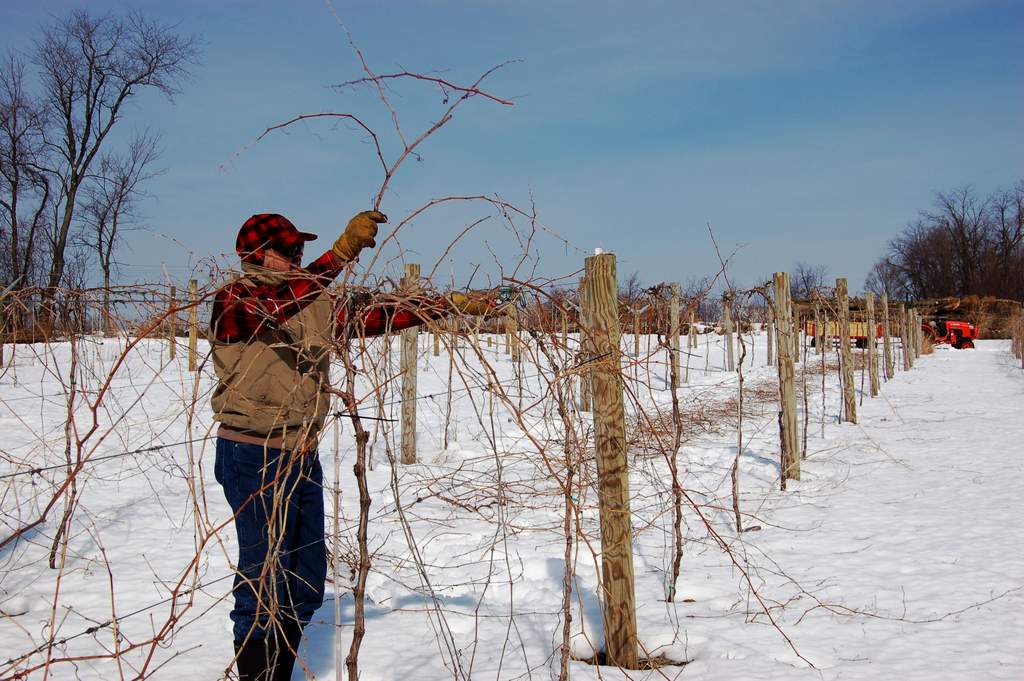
(477, 303)
(358, 234)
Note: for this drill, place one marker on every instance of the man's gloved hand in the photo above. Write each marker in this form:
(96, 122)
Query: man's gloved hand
(478, 303)
(358, 234)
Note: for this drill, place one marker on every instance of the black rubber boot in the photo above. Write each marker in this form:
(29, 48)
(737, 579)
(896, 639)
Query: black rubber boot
(254, 659)
(287, 649)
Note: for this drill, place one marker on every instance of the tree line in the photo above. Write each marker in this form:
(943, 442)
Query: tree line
(965, 244)
(68, 189)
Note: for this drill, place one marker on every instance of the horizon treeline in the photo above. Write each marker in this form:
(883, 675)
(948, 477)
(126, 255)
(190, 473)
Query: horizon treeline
(965, 244)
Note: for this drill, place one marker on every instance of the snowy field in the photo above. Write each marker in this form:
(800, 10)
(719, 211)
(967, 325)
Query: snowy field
(897, 555)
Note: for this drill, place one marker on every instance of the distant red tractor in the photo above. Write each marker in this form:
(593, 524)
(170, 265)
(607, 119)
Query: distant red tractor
(959, 334)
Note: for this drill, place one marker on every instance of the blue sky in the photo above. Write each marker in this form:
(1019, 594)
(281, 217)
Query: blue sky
(808, 131)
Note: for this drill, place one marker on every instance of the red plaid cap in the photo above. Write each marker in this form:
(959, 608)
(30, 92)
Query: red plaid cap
(267, 230)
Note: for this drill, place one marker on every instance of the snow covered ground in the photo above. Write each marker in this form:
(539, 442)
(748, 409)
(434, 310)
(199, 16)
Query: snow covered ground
(897, 555)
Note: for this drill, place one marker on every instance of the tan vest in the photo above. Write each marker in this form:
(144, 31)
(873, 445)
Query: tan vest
(274, 384)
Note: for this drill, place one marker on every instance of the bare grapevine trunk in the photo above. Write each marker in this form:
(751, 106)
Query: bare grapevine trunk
(363, 569)
(735, 472)
(677, 488)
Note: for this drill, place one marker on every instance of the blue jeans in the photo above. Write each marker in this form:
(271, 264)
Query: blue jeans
(278, 502)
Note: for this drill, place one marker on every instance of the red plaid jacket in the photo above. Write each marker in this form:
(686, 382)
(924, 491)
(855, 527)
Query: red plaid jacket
(242, 309)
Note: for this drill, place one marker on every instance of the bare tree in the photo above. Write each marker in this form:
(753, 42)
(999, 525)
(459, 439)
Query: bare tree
(631, 289)
(962, 215)
(24, 187)
(884, 278)
(1007, 231)
(705, 306)
(110, 206)
(966, 245)
(806, 278)
(90, 67)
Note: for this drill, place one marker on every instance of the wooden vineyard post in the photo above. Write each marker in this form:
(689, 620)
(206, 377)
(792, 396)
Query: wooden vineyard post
(886, 339)
(437, 342)
(193, 323)
(905, 339)
(565, 330)
(586, 350)
(691, 335)
(920, 333)
(171, 323)
(901, 323)
(845, 353)
(797, 328)
(911, 344)
(602, 320)
(673, 334)
(770, 358)
(819, 328)
(918, 336)
(869, 302)
(3, 333)
(730, 351)
(1018, 339)
(636, 333)
(512, 326)
(911, 335)
(409, 356)
(788, 440)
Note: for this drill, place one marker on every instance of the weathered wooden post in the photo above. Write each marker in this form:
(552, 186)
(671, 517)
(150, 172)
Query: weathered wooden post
(673, 333)
(819, 328)
(437, 342)
(586, 348)
(869, 303)
(193, 323)
(886, 339)
(788, 436)
(171, 323)
(902, 321)
(565, 330)
(636, 333)
(409, 357)
(845, 353)
(797, 329)
(513, 330)
(770, 359)
(905, 340)
(602, 320)
(920, 334)
(911, 338)
(691, 335)
(730, 351)
(4, 311)
(911, 335)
